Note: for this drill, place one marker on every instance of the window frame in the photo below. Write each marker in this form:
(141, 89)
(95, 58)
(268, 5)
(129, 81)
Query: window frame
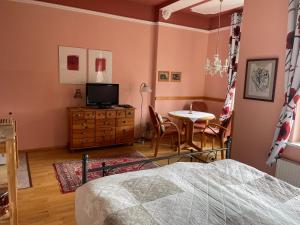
(295, 136)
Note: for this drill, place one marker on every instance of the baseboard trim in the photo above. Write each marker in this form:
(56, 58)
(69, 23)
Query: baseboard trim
(158, 98)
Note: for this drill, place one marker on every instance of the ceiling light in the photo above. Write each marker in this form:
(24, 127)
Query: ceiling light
(215, 66)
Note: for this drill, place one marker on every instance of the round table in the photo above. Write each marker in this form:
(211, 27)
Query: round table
(190, 117)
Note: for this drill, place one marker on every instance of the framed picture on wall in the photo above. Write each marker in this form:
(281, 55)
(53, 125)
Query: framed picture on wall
(163, 76)
(99, 66)
(260, 80)
(176, 76)
(72, 65)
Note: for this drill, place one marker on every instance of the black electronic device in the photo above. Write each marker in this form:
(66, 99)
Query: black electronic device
(102, 95)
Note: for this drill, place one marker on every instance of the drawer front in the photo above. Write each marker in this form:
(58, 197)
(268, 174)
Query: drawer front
(89, 114)
(105, 132)
(125, 132)
(83, 142)
(77, 115)
(111, 114)
(106, 123)
(105, 140)
(130, 113)
(121, 114)
(100, 115)
(83, 124)
(83, 133)
(124, 122)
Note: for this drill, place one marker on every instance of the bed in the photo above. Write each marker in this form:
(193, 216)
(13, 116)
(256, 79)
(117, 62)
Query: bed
(189, 193)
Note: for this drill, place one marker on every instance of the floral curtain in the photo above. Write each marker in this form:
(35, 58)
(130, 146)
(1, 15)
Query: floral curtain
(292, 83)
(234, 46)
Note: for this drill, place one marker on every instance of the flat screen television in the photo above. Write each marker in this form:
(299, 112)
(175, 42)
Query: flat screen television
(102, 95)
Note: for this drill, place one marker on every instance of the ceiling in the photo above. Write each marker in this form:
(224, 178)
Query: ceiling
(212, 7)
(200, 14)
(150, 2)
(203, 7)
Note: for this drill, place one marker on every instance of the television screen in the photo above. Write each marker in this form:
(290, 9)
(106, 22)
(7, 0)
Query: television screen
(98, 94)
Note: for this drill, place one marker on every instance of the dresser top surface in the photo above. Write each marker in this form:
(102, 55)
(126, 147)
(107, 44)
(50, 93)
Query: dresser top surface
(94, 108)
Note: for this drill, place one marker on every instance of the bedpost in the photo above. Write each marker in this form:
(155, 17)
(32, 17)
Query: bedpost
(103, 170)
(85, 159)
(228, 146)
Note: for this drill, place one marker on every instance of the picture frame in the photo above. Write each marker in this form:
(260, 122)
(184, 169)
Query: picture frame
(176, 76)
(163, 76)
(99, 66)
(260, 79)
(72, 65)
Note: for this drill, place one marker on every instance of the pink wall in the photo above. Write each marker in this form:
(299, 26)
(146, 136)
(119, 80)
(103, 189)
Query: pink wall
(184, 52)
(30, 85)
(218, 83)
(216, 86)
(187, 51)
(263, 35)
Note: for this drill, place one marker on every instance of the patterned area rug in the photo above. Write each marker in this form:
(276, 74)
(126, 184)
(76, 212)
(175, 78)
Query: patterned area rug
(23, 172)
(69, 173)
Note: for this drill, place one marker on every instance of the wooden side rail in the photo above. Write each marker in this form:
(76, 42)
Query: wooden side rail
(193, 155)
(8, 147)
(228, 147)
(11, 157)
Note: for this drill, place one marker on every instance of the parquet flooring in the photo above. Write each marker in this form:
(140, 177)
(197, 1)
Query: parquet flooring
(44, 204)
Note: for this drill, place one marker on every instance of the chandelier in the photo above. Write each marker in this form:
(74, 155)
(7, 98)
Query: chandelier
(215, 66)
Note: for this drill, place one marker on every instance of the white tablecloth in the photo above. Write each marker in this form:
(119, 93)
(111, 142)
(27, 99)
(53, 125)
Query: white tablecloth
(194, 116)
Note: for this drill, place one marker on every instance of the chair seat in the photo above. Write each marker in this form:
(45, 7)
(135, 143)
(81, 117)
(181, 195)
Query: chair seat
(170, 130)
(200, 125)
(212, 131)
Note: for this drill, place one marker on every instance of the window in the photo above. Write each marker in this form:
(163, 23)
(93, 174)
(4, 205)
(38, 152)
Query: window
(295, 137)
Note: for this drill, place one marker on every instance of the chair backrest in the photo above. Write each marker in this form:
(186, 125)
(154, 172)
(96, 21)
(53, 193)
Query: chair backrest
(198, 106)
(157, 121)
(226, 123)
(154, 119)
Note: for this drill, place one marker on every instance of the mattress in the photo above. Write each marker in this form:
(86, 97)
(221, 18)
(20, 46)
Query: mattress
(186, 193)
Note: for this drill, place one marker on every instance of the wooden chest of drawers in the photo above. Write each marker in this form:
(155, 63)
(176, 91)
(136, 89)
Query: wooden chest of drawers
(89, 127)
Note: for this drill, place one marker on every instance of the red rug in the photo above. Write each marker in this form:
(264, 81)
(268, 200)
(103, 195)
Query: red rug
(69, 175)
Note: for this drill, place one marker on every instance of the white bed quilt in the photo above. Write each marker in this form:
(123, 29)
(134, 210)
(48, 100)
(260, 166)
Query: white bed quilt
(185, 193)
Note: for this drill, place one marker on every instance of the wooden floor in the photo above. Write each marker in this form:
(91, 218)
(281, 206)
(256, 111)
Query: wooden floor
(44, 204)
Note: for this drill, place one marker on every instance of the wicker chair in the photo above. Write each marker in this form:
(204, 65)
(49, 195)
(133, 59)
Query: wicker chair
(163, 127)
(217, 131)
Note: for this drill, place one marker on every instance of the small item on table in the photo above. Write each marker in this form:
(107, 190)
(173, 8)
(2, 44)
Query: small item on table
(191, 108)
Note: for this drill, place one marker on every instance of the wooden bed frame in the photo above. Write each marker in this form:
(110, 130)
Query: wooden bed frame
(211, 154)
